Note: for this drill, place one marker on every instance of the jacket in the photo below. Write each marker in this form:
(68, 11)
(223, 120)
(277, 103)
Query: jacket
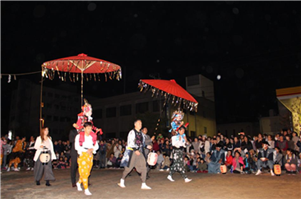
(39, 149)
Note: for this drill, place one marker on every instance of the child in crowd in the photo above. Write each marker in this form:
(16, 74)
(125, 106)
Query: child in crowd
(61, 164)
(202, 166)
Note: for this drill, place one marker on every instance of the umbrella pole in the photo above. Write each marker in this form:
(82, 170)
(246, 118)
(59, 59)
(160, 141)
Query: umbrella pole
(82, 89)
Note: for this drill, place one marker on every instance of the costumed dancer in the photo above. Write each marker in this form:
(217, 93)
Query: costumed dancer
(17, 154)
(178, 143)
(43, 157)
(83, 117)
(133, 156)
(177, 122)
(85, 145)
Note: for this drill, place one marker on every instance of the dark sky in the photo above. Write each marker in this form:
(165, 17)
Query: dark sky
(254, 46)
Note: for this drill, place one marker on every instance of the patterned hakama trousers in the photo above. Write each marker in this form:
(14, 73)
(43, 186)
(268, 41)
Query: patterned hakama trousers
(178, 163)
(85, 163)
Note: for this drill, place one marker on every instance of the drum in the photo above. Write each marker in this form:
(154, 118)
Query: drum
(223, 169)
(44, 157)
(277, 169)
(152, 158)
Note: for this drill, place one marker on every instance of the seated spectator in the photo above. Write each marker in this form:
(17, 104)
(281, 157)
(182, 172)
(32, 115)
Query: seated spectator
(291, 162)
(112, 161)
(216, 159)
(118, 160)
(278, 156)
(165, 163)
(67, 162)
(238, 163)
(159, 160)
(61, 164)
(207, 158)
(271, 142)
(156, 145)
(290, 143)
(202, 166)
(265, 158)
(229, 159)
(282, 144)
(249, 164)
(186, 164)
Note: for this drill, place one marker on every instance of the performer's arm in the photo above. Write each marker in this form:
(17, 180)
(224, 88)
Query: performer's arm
(78, 148)
(95, 147)
(131, 139)
(38, 143)
(79, 123)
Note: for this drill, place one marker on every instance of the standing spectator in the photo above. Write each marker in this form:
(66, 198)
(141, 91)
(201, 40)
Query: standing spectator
(295, 139)
(207, 144)
(291, 162)
(196, 145)
(271, 142)
(290, 143)
(117, 150)
(168, 148)
(2, 142)
(102, 154)
(162, 145)
(282, 144)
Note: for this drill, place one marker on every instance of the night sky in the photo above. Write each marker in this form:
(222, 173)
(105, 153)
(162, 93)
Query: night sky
(254, 46)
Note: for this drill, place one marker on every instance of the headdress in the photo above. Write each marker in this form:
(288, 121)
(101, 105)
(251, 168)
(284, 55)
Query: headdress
(86, 107)
(177, 113)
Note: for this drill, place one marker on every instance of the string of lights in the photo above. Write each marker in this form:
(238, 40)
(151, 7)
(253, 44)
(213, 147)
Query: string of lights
(10, 75)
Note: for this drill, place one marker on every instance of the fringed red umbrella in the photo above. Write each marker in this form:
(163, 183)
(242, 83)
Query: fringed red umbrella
(171, 91)
(80, 64)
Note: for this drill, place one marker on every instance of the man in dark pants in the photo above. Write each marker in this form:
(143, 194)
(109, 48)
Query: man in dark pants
(148, 141)
(73, 155)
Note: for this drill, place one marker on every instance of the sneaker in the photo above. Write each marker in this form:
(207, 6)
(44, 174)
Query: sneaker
(161, 170)
(258, 172)
(121, 184)
(79, 187)
(8, 169)
(187, 180)
(144, 186)
(167, 169)
(87, 192)
(272, 173)
(16, 169)
(170, 178)
(32, 168)
(28, 169)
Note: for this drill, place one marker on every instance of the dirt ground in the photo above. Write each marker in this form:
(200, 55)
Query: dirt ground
(104, 185)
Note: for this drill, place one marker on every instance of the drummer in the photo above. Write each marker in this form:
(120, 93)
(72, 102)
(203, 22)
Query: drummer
(43, 145)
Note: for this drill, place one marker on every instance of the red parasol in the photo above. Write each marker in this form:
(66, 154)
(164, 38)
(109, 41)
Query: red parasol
(170, 89)
(80, 64)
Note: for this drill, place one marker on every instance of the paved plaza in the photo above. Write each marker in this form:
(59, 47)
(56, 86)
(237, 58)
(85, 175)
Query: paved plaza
(104, 185)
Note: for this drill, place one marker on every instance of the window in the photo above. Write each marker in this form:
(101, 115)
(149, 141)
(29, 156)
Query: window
(97, 113)
(125, 110)
(111, 112)
(48, 118)
(55, 118)
(193, 80)
(142, 107)
(156, 106)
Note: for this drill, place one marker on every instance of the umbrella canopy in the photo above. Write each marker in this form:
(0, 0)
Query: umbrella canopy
(80, 64)
(171, 91)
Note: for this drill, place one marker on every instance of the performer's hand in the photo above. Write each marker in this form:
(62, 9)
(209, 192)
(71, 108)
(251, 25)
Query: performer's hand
(75, 125)
(90, 151)
(149, 147)
(137, 152)
(182, 123)
(41, 146)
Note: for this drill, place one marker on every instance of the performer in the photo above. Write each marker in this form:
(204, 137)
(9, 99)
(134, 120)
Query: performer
(148, 141)
(44, 146)
(83, 117)
(17, 154)
(133, 156)
(177, 118)
(85, 145)
(178, 143)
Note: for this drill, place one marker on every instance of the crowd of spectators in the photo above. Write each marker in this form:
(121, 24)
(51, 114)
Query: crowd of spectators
(240, 154)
